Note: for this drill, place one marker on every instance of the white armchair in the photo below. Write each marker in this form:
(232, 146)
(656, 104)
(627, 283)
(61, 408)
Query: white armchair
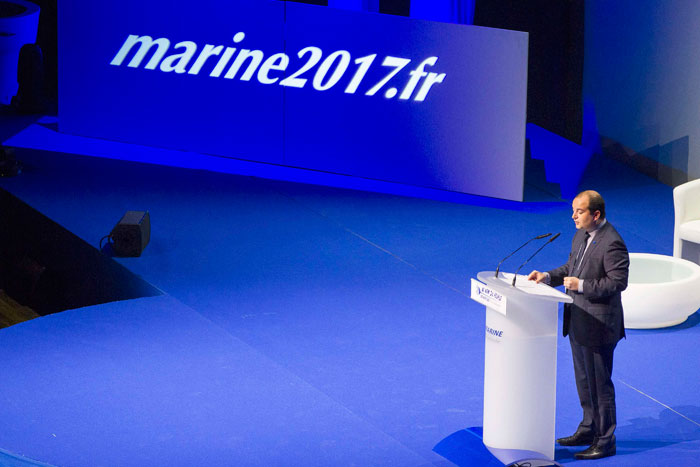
(686, 203)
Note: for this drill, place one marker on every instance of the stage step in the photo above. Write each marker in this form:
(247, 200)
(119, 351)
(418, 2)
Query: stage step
(12, 312)
(536, 178)
(48, 269)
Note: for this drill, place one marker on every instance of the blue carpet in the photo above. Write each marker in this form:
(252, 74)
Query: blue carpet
(309, 325)
(152, 382)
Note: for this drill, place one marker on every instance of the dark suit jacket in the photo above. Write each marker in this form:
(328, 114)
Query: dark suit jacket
(595, 317)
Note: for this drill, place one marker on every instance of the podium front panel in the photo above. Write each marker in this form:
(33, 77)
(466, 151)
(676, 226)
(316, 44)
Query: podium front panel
(520, 373)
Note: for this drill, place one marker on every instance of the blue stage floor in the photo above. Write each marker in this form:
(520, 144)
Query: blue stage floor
(304, 325)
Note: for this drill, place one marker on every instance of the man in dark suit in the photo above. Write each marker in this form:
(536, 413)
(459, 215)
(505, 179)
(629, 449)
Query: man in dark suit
(594, 276)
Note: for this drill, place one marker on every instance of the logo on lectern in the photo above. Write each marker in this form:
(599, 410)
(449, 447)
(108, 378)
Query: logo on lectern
(488, 296)
(491, 332)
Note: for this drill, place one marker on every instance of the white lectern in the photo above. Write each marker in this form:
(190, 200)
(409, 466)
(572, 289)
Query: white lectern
(521, 365)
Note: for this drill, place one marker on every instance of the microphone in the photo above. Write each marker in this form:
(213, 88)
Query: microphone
(533, 255)
(498, 268)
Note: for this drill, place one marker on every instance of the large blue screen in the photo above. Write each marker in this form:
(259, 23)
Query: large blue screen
(376, 96)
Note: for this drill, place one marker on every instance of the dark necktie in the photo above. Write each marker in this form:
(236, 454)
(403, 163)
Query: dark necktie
(581, 251)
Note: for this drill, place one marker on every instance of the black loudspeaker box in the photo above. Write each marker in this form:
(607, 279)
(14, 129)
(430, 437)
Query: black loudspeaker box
(131, 235)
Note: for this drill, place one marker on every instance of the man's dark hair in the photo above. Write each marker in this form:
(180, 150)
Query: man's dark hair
(595, 202)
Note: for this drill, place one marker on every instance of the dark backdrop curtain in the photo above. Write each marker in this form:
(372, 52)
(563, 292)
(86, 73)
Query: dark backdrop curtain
(310, 2)
(555, 67)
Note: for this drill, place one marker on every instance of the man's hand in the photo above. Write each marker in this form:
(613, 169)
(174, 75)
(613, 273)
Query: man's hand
(537, 276)
(571, 283)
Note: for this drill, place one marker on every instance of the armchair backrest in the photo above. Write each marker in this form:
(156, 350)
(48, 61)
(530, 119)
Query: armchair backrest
(686, 201)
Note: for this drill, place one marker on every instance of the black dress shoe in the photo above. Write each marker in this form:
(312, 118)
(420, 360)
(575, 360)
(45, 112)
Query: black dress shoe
(595, 452)
(580, 438)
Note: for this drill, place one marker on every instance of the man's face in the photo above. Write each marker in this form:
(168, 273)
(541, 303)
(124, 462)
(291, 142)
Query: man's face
(583, 218)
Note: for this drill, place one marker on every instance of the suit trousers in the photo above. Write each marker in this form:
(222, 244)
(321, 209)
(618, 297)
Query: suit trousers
(593, 368)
